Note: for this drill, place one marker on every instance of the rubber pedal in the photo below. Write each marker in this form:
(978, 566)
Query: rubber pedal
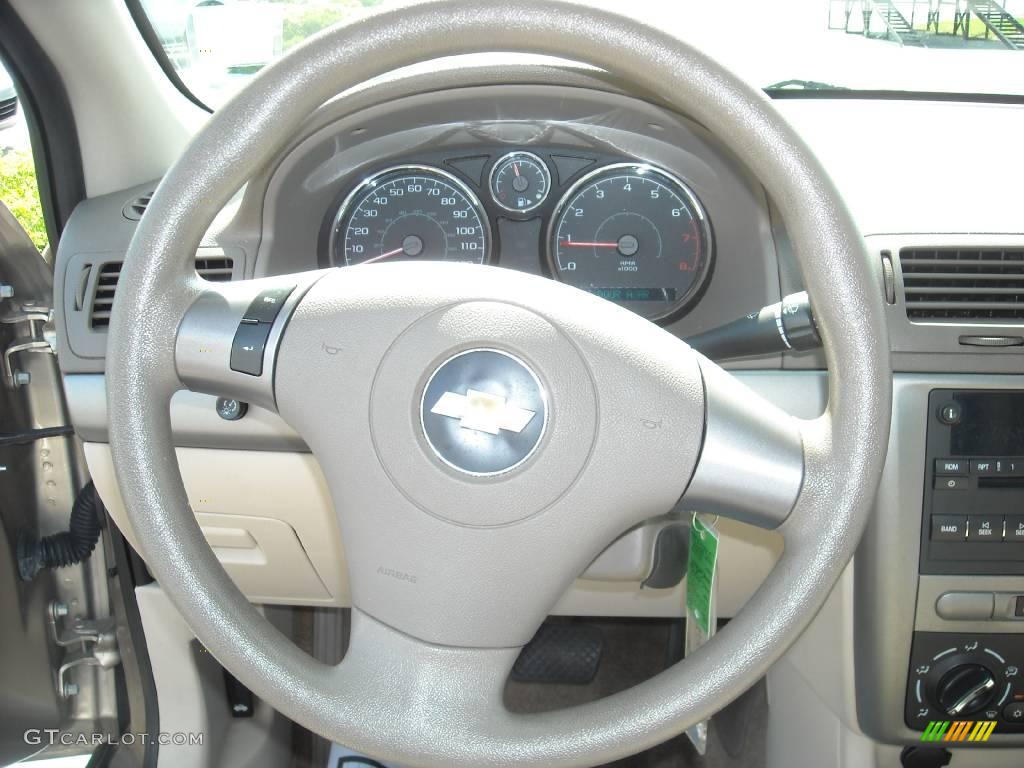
(561, 653)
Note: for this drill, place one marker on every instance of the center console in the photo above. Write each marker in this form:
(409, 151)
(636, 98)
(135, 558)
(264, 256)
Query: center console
(971, 547)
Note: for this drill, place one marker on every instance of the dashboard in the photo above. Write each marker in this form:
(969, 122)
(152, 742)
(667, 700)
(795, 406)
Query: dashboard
(557, 173)
(604, 192)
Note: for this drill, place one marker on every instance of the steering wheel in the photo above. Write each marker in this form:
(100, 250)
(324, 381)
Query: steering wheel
(581, 419)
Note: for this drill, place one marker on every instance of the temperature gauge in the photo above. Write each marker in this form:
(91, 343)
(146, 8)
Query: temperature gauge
(520, 182)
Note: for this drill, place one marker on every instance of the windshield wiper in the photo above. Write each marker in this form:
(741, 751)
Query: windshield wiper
(804, 85)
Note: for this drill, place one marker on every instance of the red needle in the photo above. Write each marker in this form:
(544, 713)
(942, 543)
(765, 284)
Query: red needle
(515, 167)
(575, 244)
(383, 256)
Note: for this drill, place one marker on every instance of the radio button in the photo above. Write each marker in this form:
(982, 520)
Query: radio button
(951, 466)
(1015, 529)
(949, 527)
(984, 466)
(984, 528)
(951, 483)
(1011, 467)
(950, 413)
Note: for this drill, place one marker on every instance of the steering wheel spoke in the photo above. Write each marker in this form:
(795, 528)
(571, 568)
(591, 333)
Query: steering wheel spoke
(227, 340)
(386, 665)
(751, 465)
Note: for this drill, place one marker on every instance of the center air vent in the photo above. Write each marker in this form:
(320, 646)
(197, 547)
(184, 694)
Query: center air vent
(216, 269)
(954, 284)
(135, 207)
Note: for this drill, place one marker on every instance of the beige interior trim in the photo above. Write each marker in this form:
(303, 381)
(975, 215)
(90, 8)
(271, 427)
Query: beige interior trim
(270, 520)
(746, 555)
(191, 699)
(269, 516)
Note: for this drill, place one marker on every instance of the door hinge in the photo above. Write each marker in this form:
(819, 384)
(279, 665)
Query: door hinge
(89, 643)
(39, 336)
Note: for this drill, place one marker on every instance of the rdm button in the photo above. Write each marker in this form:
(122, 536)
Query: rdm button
(951, 466)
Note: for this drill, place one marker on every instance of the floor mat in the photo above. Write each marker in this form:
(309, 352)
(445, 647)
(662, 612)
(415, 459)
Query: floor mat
(634, 651)
(736, 739)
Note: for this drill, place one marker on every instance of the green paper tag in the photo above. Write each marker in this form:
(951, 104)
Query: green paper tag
(700, 573)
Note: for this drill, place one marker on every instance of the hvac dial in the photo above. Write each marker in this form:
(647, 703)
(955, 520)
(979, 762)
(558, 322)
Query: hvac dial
(410, 212)
(520, 181)
(965, 678)
(635, 235)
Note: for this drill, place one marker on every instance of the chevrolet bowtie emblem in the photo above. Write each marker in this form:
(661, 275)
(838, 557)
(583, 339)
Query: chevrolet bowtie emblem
(483, 412)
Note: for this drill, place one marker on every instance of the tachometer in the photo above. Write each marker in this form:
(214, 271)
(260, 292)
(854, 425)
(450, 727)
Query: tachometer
(635, 235)
(410, 212)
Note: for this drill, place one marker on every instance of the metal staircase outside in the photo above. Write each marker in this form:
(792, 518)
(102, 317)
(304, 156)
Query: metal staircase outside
(1003, 25)
(897, 23)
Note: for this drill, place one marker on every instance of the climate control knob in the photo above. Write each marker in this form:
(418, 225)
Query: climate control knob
(965, 689)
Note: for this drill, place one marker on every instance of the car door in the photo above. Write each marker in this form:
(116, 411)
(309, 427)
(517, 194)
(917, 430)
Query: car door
(28, 698)
(59, 645)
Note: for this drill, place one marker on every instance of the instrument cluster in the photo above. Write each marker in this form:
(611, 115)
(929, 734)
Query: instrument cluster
(627, 231)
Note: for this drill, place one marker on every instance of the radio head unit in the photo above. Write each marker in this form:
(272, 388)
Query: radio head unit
(973, 521)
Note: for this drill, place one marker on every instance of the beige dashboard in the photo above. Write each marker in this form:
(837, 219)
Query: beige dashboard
(269, 518)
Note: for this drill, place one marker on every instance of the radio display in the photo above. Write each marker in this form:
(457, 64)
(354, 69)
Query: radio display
(992, 424)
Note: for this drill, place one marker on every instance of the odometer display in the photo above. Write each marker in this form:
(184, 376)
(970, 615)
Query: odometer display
(635, 294)
(410, 213)
(634, 235)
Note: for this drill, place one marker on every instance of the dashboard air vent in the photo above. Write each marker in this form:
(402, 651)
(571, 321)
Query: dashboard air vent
(960, 284)
(135, 207)
(217, 269)
(103, 298)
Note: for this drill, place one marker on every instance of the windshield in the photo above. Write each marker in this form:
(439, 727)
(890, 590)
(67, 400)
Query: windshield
(942, 46)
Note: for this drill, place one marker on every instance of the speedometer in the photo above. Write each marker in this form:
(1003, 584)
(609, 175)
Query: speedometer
(410, 212)
(635, 235)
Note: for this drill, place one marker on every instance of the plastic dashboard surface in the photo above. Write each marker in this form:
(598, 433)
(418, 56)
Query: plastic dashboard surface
(281, 223)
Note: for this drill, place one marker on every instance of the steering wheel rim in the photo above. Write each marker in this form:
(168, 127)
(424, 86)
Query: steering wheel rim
(453, 714)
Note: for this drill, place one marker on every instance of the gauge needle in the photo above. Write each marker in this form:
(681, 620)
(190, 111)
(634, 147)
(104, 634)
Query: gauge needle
(383, 256)
(576, 244)
(515, 168)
